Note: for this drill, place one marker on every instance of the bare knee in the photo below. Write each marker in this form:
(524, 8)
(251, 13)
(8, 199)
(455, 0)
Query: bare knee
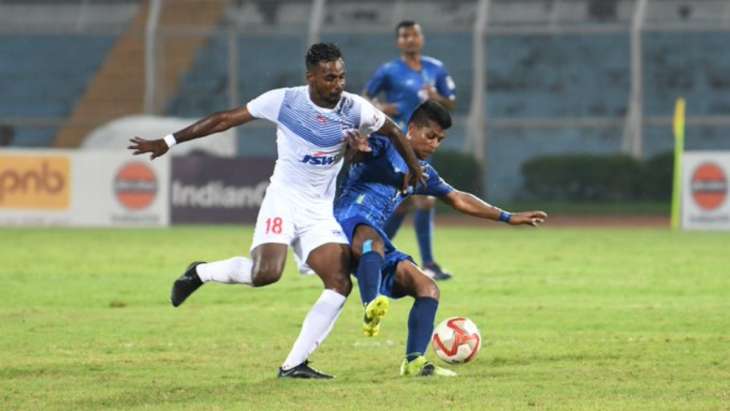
(332, 263)
(377, 245)
(428, 289)
(340, 283)
(266, 272)
(365, 240)
(268, 264)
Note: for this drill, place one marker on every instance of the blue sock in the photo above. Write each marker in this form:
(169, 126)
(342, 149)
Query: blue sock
(420, 326)
(368, 273)
(424, 228)
(393, 224)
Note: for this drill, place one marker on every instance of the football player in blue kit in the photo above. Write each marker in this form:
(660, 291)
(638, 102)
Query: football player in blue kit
(406, 82)
(371, 192)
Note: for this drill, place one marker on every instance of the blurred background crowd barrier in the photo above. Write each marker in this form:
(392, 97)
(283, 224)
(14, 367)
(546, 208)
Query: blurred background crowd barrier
(571, 84)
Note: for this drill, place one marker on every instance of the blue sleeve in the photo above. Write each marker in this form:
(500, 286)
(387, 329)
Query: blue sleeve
(378, 144)
(378, 82)
(435, 185)
(444, 84)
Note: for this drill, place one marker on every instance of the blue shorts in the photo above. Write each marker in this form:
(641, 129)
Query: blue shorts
(392, 255)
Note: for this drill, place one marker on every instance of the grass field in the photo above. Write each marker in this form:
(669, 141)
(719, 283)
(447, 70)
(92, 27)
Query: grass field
(574, 319)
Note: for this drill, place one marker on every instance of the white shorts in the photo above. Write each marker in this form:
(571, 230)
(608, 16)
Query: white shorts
(287, 218)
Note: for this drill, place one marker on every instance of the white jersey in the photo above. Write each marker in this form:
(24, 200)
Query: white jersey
(309, 138)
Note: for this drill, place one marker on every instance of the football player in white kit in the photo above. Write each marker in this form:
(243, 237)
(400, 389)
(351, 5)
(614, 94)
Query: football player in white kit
(297, 210)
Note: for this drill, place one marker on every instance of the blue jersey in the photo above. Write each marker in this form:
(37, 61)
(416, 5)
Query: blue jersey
(372, 187)
(404, 86)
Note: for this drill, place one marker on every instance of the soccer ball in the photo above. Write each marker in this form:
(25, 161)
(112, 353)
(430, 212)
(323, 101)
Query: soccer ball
(456, 340)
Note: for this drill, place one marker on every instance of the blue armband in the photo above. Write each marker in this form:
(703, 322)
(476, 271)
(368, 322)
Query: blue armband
(505, 216)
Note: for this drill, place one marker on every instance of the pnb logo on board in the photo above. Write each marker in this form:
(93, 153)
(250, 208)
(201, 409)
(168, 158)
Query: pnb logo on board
(709, 186)
(36, 182)
(322, 158)
(135, 186)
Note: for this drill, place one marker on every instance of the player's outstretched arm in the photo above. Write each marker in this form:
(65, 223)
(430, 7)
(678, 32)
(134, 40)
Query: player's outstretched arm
(470, 204)
(392, 131)
(214, 123)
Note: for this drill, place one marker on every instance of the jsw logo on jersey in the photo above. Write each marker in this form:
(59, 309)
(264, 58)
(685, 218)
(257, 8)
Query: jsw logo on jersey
(321, 158)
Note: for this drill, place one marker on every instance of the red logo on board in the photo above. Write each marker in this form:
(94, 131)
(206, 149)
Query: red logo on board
(135, 185)
(709, 186)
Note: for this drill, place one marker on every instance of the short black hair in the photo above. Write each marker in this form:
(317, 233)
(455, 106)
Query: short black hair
(402, 25)
(431, 110)
(321, 52)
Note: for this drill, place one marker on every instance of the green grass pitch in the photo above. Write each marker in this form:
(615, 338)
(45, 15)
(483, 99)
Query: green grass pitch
(573, 319)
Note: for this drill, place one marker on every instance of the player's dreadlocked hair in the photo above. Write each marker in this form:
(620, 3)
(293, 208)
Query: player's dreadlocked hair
(321, 52)
(404, 25)
(431, 110)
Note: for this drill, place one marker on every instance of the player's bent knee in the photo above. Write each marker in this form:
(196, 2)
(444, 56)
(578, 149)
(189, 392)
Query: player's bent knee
(340, 283)
(344, 288)
(268, 264)
(375, 244)
(365, 241)
(428, 289)
(265, 274)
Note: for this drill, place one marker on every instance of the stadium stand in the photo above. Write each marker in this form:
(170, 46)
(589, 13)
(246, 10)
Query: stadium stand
(546, 74)
(690, 65)
(31, 70)
(118, 88)
(528, 74)
(558, 75)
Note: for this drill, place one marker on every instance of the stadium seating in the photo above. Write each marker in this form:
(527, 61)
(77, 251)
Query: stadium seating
(589, 75)
(264, 62)
(541, 74)
(692, 65)
(42, 76)
(548, 76)
(205, 87)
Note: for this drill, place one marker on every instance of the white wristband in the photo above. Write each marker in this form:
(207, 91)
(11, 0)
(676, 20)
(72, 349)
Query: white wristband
(170, 140)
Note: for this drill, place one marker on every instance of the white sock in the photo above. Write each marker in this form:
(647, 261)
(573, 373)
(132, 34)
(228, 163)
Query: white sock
(236, 270)
(331, 326)
(317, 325)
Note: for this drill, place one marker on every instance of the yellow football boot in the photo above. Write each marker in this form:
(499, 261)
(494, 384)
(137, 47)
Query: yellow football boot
(374, 313)
(421, 367)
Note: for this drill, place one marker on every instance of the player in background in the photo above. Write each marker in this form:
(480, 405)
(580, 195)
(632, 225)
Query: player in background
(297, 208)
(369, 195)
(407, 82)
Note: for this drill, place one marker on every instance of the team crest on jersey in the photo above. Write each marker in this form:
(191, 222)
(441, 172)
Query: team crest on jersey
(321, 119)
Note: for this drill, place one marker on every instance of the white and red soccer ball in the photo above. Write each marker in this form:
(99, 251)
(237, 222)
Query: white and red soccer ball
(456, 340)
